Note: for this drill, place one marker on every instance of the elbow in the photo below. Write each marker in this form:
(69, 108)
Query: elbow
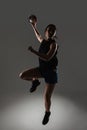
(47, 58)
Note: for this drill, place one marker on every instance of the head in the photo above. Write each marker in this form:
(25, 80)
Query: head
(50, 31)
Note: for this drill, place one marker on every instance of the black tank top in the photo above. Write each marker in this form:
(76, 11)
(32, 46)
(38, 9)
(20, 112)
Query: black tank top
(53, 62)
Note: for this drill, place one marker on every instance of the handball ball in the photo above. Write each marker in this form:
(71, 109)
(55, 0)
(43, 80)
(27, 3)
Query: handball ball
(32, 19)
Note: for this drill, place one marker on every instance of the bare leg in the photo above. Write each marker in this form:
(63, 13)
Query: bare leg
(30, 74)
(47, 96)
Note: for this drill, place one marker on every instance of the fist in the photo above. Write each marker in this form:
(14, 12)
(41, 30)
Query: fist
(30, 48)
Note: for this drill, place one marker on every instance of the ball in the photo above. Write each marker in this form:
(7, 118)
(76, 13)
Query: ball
(32, 19)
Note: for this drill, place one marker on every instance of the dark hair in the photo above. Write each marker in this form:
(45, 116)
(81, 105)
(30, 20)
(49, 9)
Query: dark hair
(51, 29)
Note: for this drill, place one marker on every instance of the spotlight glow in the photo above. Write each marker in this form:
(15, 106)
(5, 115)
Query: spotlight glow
(27, 114)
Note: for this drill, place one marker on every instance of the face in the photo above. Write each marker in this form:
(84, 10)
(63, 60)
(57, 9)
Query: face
(46, 34)
(49, 34)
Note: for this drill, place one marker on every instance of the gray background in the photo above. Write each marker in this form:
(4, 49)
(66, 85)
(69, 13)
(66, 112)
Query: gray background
(19, 110)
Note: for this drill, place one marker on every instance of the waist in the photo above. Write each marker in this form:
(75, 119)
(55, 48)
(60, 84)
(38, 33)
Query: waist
(46, 68)
(52, 64)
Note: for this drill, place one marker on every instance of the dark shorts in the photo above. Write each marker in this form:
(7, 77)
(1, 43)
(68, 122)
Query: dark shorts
(50, 76)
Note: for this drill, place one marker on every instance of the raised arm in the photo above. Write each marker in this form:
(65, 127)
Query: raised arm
(33, 21)
(38, 35)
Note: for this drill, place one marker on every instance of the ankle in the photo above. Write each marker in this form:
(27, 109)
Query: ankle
(48, 112)
(34, 79)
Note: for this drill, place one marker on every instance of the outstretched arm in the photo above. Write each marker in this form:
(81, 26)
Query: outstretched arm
(38, 35)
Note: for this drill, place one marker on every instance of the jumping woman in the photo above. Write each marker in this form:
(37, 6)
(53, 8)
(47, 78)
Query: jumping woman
(48, 64)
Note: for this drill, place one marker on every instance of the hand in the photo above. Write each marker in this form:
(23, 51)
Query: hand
(30, 48)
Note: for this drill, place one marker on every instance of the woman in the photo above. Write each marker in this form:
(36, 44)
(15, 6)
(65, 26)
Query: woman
(47, 65)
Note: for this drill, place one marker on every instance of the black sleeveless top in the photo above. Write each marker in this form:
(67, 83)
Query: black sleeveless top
(53, 62)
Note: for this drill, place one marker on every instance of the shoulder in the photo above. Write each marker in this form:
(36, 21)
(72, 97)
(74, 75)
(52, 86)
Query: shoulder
(43, 40)
(54, 45)
(52, 42)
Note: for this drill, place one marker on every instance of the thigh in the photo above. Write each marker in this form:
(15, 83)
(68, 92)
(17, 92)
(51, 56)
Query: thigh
(51, 77)
(31, 73)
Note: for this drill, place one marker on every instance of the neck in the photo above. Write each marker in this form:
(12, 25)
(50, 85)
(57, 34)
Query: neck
(48, 38)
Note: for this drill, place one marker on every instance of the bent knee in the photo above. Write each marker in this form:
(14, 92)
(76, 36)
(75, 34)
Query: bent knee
(21, 75)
